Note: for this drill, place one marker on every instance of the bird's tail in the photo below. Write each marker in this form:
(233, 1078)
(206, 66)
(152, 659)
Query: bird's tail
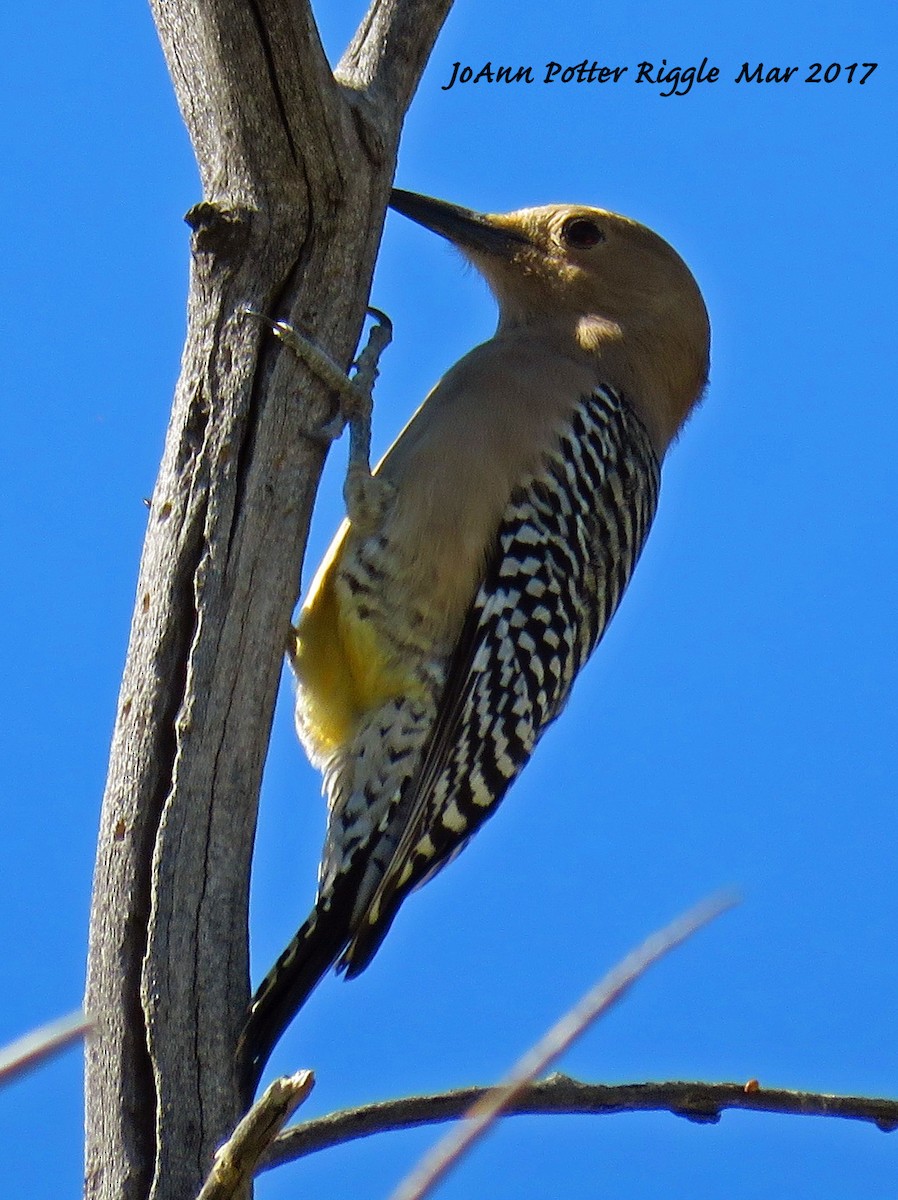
(285, 989)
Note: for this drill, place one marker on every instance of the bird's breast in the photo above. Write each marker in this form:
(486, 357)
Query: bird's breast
(482, 431)
(387, 603)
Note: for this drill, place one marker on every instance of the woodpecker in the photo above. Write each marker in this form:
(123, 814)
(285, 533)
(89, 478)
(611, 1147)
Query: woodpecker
(441, 637)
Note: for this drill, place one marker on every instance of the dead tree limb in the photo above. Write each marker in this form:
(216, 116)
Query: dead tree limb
(295, 162)
(700, 1102)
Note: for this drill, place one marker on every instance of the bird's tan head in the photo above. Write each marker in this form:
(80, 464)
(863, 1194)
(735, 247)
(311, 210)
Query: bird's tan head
(605, 285)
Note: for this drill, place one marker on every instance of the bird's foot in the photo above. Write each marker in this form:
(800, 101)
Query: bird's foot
(366, 496)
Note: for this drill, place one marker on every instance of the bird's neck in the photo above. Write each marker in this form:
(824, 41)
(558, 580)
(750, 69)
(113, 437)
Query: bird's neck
(631, 361)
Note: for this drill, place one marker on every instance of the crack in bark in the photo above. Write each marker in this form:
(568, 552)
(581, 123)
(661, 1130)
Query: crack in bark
(268, 54)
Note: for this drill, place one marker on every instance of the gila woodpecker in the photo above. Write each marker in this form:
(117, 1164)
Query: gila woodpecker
(438, 643)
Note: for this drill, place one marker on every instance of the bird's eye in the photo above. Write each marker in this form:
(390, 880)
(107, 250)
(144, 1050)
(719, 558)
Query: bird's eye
(581, 233)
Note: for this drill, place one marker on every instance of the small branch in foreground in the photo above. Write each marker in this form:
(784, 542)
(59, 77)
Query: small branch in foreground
(559, 1094)
(32, 1049)
(237, 1160)
(597, 1001)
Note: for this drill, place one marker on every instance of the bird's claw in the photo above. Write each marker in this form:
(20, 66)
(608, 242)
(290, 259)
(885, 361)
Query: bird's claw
(366, 497)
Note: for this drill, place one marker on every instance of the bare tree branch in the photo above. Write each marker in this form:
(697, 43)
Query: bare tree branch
(237, 1160)
(34, 1048)
(559, 1094)
(296, 170)
(387, 54)
(597, 1001)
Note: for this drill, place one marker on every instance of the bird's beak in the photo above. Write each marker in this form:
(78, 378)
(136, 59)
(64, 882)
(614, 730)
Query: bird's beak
(463, 227)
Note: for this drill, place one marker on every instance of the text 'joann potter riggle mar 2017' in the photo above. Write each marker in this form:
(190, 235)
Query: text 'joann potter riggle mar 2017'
(671, 81)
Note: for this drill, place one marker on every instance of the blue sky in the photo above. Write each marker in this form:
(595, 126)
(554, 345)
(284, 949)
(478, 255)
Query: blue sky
(736, 727)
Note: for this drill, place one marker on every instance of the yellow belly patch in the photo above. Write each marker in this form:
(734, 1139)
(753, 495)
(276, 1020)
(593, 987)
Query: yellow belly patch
(344, 666)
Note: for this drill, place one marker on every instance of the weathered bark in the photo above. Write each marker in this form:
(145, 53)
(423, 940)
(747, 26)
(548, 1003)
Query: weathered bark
(296, 164)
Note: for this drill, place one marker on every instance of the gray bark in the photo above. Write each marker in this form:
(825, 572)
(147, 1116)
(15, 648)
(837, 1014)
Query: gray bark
(296, 163)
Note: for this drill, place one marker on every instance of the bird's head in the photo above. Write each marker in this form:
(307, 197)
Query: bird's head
(603, 284)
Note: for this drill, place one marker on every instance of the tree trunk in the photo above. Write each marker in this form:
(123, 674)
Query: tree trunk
(296, 164)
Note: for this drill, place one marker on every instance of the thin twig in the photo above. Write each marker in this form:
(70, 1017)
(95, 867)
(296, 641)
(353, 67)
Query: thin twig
(560, 1095)
(597, 1001)
(34, 1048)
(237, 1160)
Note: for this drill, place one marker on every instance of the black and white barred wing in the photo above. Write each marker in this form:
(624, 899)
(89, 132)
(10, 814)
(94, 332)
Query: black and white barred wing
(564, 553)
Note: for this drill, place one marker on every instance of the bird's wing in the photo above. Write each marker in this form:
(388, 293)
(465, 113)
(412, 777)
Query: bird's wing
(566, 547)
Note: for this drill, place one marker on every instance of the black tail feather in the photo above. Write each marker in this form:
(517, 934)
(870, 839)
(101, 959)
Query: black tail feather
(366, 938)
(285, 989)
